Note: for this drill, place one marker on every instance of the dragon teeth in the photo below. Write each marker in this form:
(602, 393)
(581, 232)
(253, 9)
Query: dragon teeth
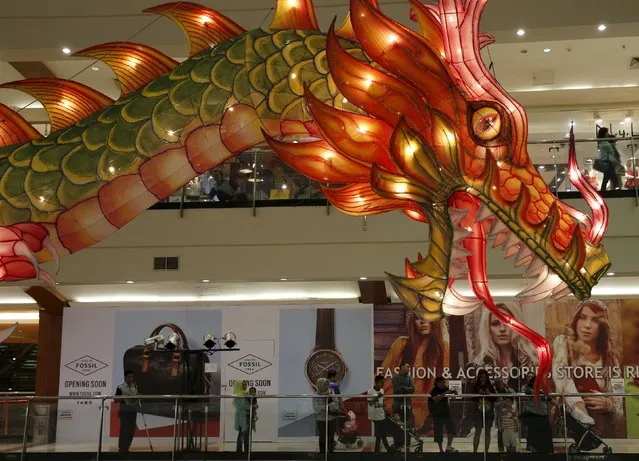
(456, 304)
(535, 267)
(500, 239)
(483, 213)
(497, 227)
(457, 214)
(545, 283)
(524, 256)
(460, 234)
(513, 250)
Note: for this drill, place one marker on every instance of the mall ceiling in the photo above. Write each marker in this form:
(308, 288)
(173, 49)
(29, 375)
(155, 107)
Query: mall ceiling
(585, 74)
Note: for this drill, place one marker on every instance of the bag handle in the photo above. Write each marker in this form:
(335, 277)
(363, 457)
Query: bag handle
(176, 329)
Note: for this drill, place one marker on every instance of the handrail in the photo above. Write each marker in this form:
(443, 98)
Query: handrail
(301, 396)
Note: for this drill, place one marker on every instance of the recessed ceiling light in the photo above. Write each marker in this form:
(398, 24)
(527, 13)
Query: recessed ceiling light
(130, 282)
(283, 279)
(610, 274)
(95, 68)
(521, 32)
(66, 50)
(363, 278)
(547, 50)
(205, 281)
(602, 27)
(627, 119)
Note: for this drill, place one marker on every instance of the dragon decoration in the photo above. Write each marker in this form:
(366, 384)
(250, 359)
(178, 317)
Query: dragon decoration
(384, 117)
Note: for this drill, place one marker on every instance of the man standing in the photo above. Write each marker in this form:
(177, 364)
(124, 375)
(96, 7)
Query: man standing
(403, 385)
(128, 410)
(440, 410)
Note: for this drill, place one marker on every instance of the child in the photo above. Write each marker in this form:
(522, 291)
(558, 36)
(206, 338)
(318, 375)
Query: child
(439, 408)
(377, 414)
(508, 425)
(253, 406)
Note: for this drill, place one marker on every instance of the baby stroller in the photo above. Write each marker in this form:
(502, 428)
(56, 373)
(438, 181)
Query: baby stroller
(348, 435)
(412, 438)
(585, 439)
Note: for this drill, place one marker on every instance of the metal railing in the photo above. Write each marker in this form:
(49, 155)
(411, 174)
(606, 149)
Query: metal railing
(192, 414)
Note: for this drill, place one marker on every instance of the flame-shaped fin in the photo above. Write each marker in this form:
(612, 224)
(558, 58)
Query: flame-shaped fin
(294, 14)
(346, 29)
(66, 102)
(485, 39)
(319, 161)
(363, 85)
(360, 200)
(359, 137)
(427, 16)
(394, 186)
(204, 28)
(134, 65)
(14, 129)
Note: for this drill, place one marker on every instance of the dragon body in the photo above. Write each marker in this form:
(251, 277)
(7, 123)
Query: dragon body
(384, 117)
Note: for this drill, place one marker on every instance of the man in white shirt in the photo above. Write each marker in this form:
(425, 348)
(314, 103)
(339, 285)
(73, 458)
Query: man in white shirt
(377, 414)
(128, 411)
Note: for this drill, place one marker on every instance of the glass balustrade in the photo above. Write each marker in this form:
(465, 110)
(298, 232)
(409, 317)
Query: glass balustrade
(566, 426)
(258, 178)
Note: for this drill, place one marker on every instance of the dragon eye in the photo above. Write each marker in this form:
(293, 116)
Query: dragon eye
(486, 123)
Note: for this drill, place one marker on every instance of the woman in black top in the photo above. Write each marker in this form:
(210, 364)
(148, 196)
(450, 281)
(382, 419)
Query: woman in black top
(483, 406)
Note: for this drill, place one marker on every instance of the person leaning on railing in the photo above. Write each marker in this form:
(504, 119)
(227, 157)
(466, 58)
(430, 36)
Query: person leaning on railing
(535, 417)
(128, 411)
(326, 407)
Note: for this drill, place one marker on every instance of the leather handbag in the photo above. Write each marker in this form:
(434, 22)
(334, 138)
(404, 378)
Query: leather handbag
(167, 372)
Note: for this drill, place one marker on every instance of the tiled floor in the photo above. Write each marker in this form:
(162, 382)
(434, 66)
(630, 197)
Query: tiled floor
(165, 445)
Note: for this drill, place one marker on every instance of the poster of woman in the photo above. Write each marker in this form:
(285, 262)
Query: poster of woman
(586, 359)
(402, 336)
(498, 349)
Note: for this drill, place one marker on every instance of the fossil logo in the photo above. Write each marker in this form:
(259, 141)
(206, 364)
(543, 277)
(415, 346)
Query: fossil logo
(86, 365)
(250, 364)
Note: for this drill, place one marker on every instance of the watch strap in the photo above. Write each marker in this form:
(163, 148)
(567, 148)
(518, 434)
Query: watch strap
(325, 329)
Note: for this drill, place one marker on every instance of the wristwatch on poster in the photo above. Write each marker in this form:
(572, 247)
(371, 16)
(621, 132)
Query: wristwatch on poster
(324, 357)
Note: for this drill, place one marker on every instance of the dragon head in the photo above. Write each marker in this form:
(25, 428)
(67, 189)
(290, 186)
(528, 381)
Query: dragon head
(433, 128)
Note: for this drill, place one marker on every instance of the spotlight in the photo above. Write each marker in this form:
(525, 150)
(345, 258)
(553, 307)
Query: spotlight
(601, 27)
(155, 341)
(209, 340)
(521, 32)
(173, 342)
(230, 340)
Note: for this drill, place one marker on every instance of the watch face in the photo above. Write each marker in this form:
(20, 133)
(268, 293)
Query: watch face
(323, 361)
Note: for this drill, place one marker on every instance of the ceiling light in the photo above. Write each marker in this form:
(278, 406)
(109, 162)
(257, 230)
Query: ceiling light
(245, 170)
(599, 121)
(283, 279)
(547, 50)
(246, 297)
(206, 281)
(602, 27)
(363, 278)
(95, 68)
(610, 274)
(521, 32)
(66, 50)
(130, 282)
(627, 119)
(16, 316)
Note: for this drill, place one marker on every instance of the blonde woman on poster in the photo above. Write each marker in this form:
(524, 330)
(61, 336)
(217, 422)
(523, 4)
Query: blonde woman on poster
(582, 362)
(502, 352)
(426, 350)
